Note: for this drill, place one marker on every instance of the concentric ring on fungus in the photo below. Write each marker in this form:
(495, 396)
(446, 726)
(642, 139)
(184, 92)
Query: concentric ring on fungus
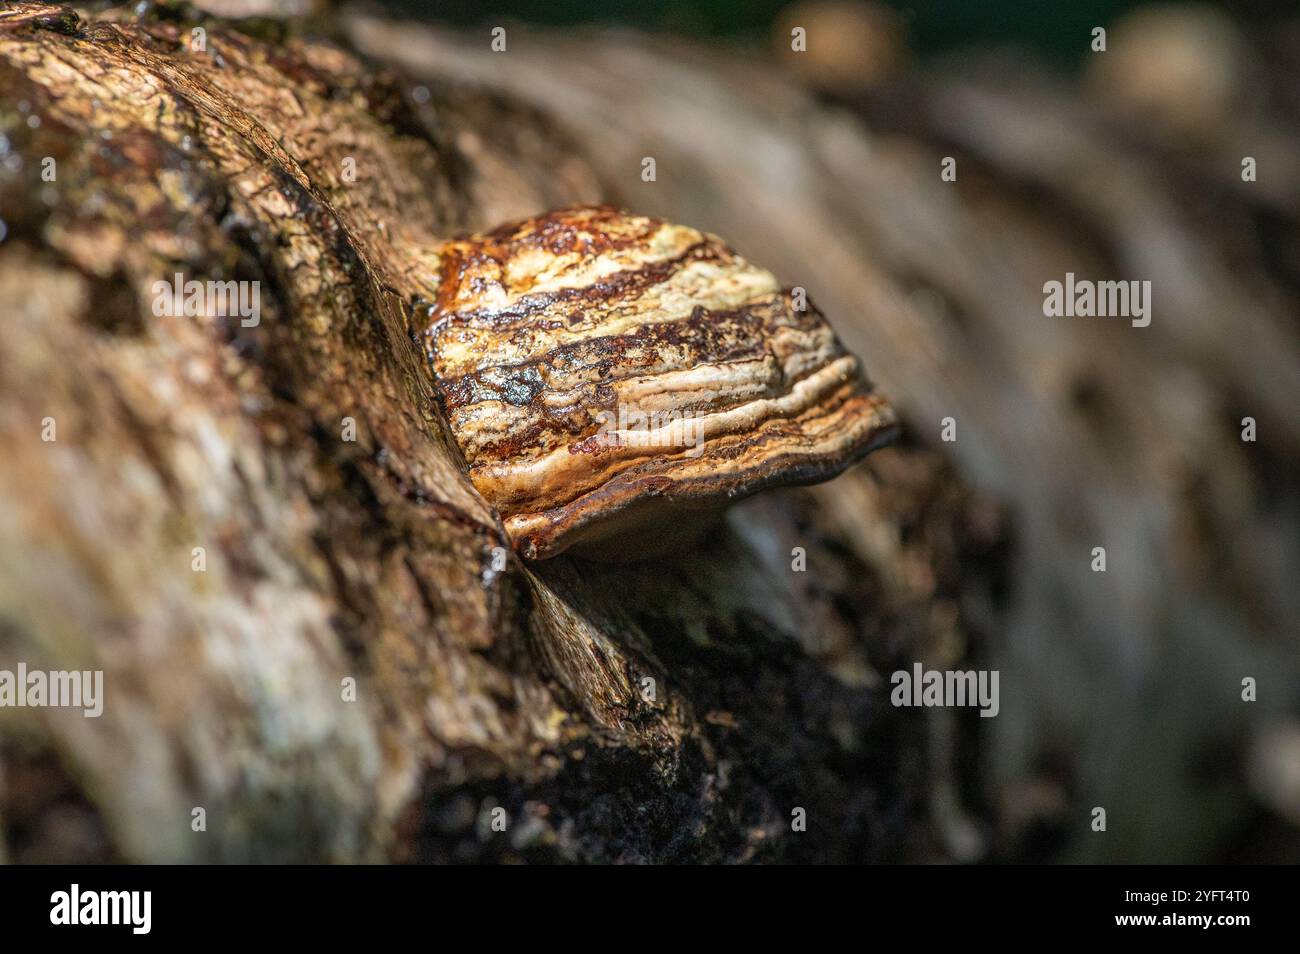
(609, 377)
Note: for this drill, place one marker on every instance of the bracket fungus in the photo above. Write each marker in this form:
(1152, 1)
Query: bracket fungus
(612, 378)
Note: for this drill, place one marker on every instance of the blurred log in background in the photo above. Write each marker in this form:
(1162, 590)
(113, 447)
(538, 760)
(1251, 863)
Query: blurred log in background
(371, 560)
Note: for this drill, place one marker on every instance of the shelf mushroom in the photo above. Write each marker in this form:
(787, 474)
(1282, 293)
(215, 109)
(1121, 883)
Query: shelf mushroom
(611, 379)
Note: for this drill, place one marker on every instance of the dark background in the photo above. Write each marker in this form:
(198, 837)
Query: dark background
(1050, 28)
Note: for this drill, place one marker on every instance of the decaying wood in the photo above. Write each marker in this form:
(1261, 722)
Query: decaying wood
(527, 688)
(372, 559)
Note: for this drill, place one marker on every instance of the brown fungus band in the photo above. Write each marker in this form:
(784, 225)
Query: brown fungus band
(611, 377)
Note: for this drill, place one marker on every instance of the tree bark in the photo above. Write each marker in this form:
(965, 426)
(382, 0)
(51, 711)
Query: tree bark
(350, 678)
(201, 528)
